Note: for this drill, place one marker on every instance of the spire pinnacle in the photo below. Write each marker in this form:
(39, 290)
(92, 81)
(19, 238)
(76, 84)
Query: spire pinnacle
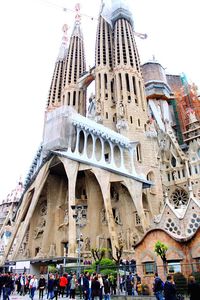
(63, 47)
(78, 15)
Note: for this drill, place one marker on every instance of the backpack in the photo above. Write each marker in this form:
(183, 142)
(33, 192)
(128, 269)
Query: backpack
(159, 285)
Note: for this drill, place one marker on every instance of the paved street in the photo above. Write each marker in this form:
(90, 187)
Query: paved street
(15, 296)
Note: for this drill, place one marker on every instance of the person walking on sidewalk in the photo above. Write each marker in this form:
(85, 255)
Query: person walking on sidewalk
(158, 287)
(33, 286)
(63, 283)
(170, 289)
(41, 286)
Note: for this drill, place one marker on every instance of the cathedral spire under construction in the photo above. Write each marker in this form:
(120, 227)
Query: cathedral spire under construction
(75, 66)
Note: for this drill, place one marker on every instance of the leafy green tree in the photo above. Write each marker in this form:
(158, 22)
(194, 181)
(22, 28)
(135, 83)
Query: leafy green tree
(117, 258)
(98, 254)
(160, 249)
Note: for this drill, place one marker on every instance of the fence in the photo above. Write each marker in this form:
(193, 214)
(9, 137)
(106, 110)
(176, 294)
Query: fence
(125, 277)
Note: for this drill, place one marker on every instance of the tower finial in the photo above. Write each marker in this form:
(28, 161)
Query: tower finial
(78, 15)
(65, 28)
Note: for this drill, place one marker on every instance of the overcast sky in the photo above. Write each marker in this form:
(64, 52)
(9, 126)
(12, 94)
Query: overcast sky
(30, 32)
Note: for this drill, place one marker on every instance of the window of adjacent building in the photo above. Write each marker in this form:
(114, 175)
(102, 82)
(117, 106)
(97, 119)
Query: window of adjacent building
(149, 268)
(174, 266)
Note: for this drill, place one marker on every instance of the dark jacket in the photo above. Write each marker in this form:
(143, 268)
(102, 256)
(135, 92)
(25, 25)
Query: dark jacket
(158, 285)
(194, 291)
(169, 291)
(42, 282)
(95, 287)
(106, 284)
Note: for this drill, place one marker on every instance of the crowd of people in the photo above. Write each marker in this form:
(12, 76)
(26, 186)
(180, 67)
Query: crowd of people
(89, 287)
(167, 290)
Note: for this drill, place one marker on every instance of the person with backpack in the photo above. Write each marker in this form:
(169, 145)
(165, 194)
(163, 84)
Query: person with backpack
(158, 287)
(170, 289)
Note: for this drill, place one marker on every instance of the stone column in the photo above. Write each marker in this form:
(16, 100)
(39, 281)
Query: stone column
(38, 186)
(71, 168)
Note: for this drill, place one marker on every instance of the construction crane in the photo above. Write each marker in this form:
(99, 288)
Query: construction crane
(142, 36)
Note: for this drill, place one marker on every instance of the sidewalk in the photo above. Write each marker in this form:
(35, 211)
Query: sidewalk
(15, 296)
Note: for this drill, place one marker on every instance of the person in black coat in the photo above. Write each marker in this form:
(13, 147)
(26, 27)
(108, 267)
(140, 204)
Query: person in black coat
(41, 286)
(170, 289)
(193, 289)
(95, 288)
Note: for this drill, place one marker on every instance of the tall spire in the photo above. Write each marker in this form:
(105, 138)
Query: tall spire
(72, 95)
(54, 99)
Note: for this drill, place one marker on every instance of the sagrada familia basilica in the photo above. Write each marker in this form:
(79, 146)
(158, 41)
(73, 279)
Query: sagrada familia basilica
(123, 168)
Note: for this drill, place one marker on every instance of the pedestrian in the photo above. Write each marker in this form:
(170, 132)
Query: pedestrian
(158, 287)
(33, 286)
(73, 286)
(80, 285)
(8, 286)
(86, 290)
(95, 288)
(106, 285)
(63, 283)
(50, 287)
(41, 286)
(100, 279)
(170, 289)
(56, 286)
(193, 289)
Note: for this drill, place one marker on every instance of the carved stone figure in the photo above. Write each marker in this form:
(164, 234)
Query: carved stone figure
(40, 228)
(98, 107)
(103, 216)
(41, 253)
(121, 110)
(87, 244)
(66, 220)
(52, 250)
(117, 217)
(135, 238)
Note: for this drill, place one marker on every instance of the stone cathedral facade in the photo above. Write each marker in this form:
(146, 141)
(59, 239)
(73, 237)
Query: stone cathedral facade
(117, 157)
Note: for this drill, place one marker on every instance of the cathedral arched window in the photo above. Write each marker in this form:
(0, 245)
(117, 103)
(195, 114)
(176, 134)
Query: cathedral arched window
(173, 161)
(179, 198)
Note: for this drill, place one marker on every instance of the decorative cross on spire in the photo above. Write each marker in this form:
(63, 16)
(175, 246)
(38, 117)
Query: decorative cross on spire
(77, 16)
(65, 28)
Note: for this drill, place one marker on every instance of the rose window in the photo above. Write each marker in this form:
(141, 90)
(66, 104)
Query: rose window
(179, 197)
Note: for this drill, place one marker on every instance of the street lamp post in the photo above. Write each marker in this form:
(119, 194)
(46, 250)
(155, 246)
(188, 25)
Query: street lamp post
(79, 216)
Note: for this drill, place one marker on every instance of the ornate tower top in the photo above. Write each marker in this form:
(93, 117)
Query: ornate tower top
(63, 48)
(121, 10)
